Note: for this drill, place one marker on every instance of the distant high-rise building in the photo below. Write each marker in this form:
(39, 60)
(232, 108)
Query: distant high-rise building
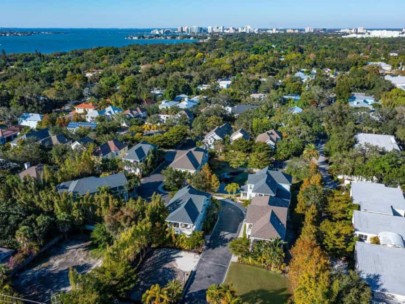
(309, 30)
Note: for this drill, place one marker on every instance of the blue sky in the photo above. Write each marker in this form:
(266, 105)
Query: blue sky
(172, 13)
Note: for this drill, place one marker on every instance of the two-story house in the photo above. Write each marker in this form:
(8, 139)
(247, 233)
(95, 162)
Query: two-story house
(188, 209)
(136, 156)
(218, 134)
(190, 160)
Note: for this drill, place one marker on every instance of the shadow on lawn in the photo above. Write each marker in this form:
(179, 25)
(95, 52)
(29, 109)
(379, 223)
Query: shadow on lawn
(263, 296)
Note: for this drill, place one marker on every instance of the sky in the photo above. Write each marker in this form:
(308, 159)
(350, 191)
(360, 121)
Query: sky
(173, 13)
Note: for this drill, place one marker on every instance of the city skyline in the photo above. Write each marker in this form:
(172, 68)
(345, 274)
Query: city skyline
(165, 14)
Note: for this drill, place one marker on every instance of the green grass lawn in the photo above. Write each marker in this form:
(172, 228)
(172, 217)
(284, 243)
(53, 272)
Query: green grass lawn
(258, 286)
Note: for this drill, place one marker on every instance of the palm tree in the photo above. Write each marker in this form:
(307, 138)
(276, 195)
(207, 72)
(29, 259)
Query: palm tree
(155, 295)
(310, 152)
(222, 294)
(174, 291)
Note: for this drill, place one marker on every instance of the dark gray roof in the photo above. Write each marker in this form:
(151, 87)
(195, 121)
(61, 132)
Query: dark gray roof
(110, 146)
(266, 181)
(139, 152)
(186, 205)
(5, 253)
(221, 131)
(92, 184)
(189, 159)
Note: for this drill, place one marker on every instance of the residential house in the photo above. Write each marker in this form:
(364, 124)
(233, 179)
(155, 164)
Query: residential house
(361, 100)
(270, 138)
(111, 149)
(295, 110)
(240, 109)
(398, 81)
(380, 228)
(138, 112)
(203, 87)
(187, 103)
(83, 108)
(9, 134)
(54, 140)
(136, 156)
(389, 229)
(384, 67)
(188, 209)
(165, 104)
(383, 142)
(108, 112)
(32, 135)
(218, 134)
(225, 84)
(293, 97)
(267, 182)
(82, 143)
(303, 76)
(382, 268)
(30, 120)
(43, 137)
(35, 172)
(74, 126)
(377, 198)
(116, 183)
(239, 134)
(190, 160)
(266, 217)
(258, 96)
(111, 111)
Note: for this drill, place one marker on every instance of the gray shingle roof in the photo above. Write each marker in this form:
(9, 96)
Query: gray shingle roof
(378, 198)
(265, 181)
(109, 147)
(375, 223)
(139, 152)
(242, 108)
(189, 159)
(381, 267)
(186, 205)
(268, 216)
(221, 131)
(92, 184)
(386, 142)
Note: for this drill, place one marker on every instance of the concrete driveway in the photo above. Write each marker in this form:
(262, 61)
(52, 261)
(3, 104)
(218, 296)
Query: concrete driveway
(215, 260)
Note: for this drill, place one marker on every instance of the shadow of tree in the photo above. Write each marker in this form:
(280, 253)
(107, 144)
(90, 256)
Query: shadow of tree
(263, 296)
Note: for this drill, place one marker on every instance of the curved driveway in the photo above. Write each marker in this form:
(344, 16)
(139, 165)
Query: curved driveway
(215, 260)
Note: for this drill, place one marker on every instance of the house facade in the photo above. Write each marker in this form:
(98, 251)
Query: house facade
(136, 156)
(188, 210)
(218, 134)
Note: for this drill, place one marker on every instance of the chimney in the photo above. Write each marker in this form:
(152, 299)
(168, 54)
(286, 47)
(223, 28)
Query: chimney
(27, 165)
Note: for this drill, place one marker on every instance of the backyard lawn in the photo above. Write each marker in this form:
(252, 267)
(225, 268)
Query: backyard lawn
(256, 285)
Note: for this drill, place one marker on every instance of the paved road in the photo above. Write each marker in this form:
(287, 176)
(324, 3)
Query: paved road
(324, 167)
(151, 184)
(215, 260)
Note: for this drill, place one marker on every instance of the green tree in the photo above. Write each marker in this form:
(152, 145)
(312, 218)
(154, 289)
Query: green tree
(232, 188)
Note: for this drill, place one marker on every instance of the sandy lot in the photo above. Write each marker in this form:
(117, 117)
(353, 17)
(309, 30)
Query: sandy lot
(49, 274)
(163, 266)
